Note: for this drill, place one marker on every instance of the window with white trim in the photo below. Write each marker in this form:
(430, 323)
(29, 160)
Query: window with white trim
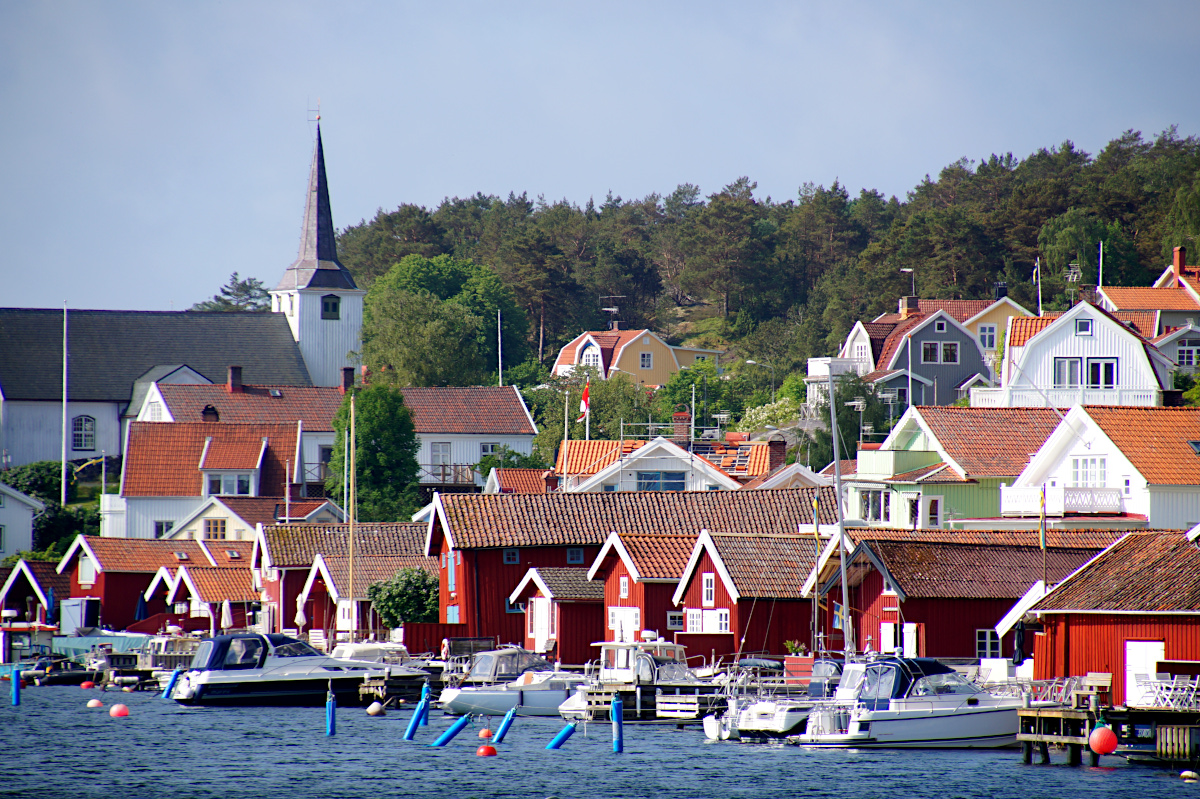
(154, 412)
(987, 644)
(590, 356)
(987, 337)
(949, 352)
(83, 433)
(1088, 472)
(229, 484)
(489, 448)
(512, 557)
(1186, 354)
(939, 326)
(646, 360)
(876, 505)
(1083, 327)
(675, 620)
(695, 620)
(1102, 372)
(624, 586)
(1068, 372)
(87, 570)
(708, 588)
(939, 352)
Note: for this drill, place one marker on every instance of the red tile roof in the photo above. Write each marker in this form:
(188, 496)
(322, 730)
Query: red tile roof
(521, 481)
(990, 442)
(372, 569)
(1146, 571)
(848, 469)
(220, 552)
(47, 577)
(609, 341)
(314, 405)
(1144, 323)
(482, 521)
(143, 555)
(931, 472)
(215, 585)
(299, 544)
(590, 457)
(659, 557)
(270, 510)
(891, 345)
(767, 565)
(1148, 299)
(1058, 539)
(469, 410)
(163, 459)
(961, 310)
(570, 583)
(1026, 327)
(1155, 440)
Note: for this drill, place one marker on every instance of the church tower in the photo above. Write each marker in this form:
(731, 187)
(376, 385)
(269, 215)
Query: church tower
(318, 295)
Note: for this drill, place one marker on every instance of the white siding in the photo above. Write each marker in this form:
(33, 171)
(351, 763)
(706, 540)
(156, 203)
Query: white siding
(694, 477)
(325, 343)
(32, 431)
(466, 449)
(1174, 507)
(17, 520)
(142, 512)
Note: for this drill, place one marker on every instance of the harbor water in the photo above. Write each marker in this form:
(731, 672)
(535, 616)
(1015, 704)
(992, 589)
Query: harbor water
(54, 746)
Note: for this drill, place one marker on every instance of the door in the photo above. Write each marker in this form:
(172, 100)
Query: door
(439, 467)
(1141, 657)
(539, 622)
(625, 624)
(911, 640)
(887, 638)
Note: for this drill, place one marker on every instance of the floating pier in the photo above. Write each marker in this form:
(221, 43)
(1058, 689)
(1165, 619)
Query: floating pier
(1161, 735)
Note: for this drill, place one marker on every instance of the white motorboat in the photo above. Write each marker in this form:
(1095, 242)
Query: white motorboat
(648, 668)
(502, 679)
(915, 703)
(248, 669)
(760, 706)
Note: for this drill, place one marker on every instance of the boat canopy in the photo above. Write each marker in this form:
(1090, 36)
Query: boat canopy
(505, 665)
(896, 678)
(246, 651)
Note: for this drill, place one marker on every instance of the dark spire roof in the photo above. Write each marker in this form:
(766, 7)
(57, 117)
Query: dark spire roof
(317, 265)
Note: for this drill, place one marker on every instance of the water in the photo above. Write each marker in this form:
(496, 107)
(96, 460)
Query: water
(53, 746)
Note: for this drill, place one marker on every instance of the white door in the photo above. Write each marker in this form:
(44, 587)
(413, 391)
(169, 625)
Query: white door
(1141, 657)
(910, 640)
(540, 606)
(625, 623)
(887, 638)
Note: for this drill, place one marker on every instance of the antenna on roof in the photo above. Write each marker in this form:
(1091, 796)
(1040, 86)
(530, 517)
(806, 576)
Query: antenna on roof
(612, 311)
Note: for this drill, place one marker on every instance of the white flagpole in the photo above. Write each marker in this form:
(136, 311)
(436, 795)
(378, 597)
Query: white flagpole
(499, 350)
(1038, 265)
(1100, 276)
(63, 498)
(566, 438)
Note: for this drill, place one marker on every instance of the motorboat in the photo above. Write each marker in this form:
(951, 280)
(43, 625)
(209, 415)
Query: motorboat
(916, 703)
(502, 679)
(250, 669)
(761, 707)
(646, 668)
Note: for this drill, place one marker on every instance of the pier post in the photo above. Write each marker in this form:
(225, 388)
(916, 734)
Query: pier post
(1075, 754)
(166, 694)
(16, 684)
(1043, 753)
(1027, 752)
(504, 725)
(618, 721)
(411, 731)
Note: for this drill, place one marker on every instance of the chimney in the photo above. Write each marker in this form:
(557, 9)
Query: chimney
(551, 480)
(209, 414)
(908, 306)
(366, 374)
(999, 291)
(347, 378)
(614, 325)
(682, 420)
(1178, 261)
(776, 452)
(235, 380)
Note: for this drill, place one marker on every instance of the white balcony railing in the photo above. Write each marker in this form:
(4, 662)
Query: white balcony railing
(1060, 501)
(1023, 397)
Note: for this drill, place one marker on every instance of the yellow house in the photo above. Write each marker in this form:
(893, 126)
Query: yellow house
(235, 518)
(641, 354)
(990, 323)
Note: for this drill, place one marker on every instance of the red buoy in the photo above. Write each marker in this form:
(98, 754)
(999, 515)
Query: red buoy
(486, 751)
(86, 684)
(1103, 741)
(118, 711)
(485, 733)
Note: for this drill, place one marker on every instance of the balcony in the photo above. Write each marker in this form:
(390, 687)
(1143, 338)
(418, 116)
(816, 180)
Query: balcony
(823, 367)
(1060, 501)
(1023, 397)
(447, 474)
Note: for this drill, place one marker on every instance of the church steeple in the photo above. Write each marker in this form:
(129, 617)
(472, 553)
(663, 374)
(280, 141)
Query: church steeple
(317, 266)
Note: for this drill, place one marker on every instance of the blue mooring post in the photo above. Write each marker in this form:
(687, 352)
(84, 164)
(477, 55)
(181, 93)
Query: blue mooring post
(617, 711)
(166, 694)
(563, 734)
(330, 716)
(504, 725)
(426, 701)
(449, 734)
(16, 684)
(415, 721)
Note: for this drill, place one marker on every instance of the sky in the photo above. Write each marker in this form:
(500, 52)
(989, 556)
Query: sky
(149, 150)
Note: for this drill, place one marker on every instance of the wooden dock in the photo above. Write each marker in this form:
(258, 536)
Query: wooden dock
(1163, 735)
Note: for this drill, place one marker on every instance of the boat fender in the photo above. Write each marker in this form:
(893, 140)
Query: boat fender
(118, 711)
(375, 709)
(87, 685)
(1103, 741)
(486, 751)
(95, 703)
(1190, 776)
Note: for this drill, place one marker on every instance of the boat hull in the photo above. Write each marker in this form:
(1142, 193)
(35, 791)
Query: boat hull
(912, 728)
(289, 692)
(498, 701)
(767, 721)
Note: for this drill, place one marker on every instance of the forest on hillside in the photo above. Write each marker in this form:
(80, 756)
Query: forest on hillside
(777, 280)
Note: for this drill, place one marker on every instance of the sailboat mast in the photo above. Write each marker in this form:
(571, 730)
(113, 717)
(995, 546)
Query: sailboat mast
(350, 511)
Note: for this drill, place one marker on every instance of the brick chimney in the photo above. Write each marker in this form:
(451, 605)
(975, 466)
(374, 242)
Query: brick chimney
(551, 480)
(347, 379)
(682, 421)
(234, 384)
(209, 414)
(1178, 262)
(908, 306)
(366, 374)
(776, 451)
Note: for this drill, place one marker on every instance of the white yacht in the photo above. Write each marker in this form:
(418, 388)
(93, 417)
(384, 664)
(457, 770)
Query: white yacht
(248, 669)
(649, 668)
(915, 703)
(760, 705)
(502, 679)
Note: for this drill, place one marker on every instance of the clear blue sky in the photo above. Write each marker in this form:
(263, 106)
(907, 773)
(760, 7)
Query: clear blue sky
(151, 149)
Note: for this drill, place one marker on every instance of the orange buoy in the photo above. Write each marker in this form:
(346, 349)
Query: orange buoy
(86, 684)
(95, 703)
(1103, 741)
(118, 711)
(486, 751)
(485, 733)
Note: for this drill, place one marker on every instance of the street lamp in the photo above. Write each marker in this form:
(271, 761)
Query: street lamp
(859, 404)
(772, 368)
(912, 272)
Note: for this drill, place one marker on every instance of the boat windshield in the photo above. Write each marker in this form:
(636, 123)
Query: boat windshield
(936, 684)
(482, 668)
(200, 659)
(286, 647)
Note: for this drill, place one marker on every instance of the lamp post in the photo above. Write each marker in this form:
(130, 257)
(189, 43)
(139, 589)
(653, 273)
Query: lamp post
(772, 368)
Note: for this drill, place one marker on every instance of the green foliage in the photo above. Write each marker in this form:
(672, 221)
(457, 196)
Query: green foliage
(730, 391)
(52, 553)
(817, 451)
(527, 374)
(41, 480)
(386, 470)
(782, 412)
(410, 596)
(238, 295)
(508, 459)
(613, 402)
(432, 321)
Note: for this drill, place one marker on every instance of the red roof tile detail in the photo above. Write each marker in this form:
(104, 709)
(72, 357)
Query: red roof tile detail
(1026, 327)
(765, 565)
(961, 310)
(215, 585)
(848, 469)
(891, 346)
(478, 410)
(163, 459)
(590, 457)
(270, 510)
(1147, 572)
(1144, 323)
(1155, 440)
(609, 341)
(144, 555)
(482, 521)
(233, 454)
(569, 583)
(299, 544)
(521, 481)
(313, 405)
(1057, 539)
(659, 557)
(373, 569)
(1148, 299)
(990, 442)
(220, 551)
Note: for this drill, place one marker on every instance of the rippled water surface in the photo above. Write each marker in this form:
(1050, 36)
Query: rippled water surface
(53, 746)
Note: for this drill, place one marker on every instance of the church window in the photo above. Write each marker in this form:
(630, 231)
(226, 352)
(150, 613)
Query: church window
(83, 433)
(331, 307)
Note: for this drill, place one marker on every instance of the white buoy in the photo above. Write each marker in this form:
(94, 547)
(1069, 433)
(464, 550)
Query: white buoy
(1189, 775)
(375, 709)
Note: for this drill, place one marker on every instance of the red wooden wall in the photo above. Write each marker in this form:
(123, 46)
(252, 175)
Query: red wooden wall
(653, 599)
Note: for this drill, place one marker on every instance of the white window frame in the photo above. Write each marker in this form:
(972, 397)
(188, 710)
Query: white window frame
(708, 589)
(937, 351)
(83, 433)
(946, 348)
(935, 511)
(646, 360)
(489, 448)
(590, 356)
(1083, 327)
(154, 412)
(695, 620)
(1101, 363)
(987, 643)
(624, 586)
(987, 337)
(939, 326)
(1089, 472)
(1068, 372)
(87, 570)
(676, 620)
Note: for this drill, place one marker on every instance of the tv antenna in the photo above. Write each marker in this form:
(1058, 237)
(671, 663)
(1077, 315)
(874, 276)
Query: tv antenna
(611, 310)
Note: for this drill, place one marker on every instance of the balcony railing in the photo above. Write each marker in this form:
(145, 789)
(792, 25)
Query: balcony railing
(1021, 397)
(1060, 501)
(447, 474)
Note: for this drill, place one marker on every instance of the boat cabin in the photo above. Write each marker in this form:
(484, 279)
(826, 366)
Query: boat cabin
(249, 651)
(505, 665)
(646, 662)
(901, 678)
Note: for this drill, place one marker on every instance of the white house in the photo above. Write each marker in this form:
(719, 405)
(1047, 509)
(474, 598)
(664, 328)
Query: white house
(1181, 345)
(659, 465)
(225, 518)
(17, 512)
(1139, 464)
(1086, 356)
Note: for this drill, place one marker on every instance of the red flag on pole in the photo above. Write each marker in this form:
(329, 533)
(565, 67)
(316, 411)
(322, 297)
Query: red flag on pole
(584, 407)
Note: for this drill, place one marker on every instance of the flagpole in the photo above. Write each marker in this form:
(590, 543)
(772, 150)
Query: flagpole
(566, 437)
(1042, 533)
(499, 350)
(63, 497)
(1100, 275)
(1038, 268)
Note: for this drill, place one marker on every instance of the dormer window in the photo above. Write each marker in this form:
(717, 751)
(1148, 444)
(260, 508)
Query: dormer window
(591, 356)
(331, 307)
(1083, 327)
(229, 484)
